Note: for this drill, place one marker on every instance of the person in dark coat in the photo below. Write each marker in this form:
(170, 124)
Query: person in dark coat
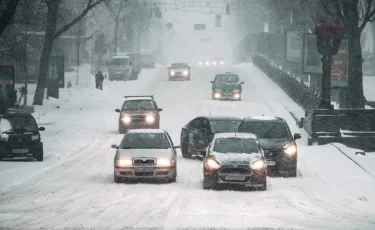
(99, 78)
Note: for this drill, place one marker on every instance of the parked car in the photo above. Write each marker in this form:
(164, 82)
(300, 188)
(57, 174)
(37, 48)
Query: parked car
(20, 137)
(278, 143)
(235, 159)
(138, 112)
(198, 133)
(226, 86)
(145, 153)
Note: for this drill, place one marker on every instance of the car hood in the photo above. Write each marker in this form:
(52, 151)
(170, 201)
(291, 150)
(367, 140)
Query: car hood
(139, 153)
(273, 143)
(139, 112)
(236, 158)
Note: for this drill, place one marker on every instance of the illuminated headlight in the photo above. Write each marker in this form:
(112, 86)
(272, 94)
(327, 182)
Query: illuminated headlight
(172, 73)
(126, 119)
(164, 162)
(258, 165)
(35, 137)
(217, 95)
(222, 62)
(124, 162)
(212, 164)
(150, 119)
(290, 149)
(200, 63)
(236, 96)
(207, 63)
(214, 63)
(185, 73)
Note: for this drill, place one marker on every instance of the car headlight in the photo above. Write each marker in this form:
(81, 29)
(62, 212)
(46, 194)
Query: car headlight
(217, 95)
(150, 119)
(126, 119)
(222, 63)
(212, 164)
(207, 63)
(236, 96)
(214, 63)
(172, 73)
(257, 165)
(290, 149)
(164, 162)
(185, 73)
(124, 162)
(34, 137)
(200, 63)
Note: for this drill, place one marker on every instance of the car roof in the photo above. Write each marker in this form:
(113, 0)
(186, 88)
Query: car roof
(146, 131)
(238, 135)
(213, 118)
(264, 118)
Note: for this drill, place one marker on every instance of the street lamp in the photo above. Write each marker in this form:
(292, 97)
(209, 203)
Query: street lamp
(328, 37)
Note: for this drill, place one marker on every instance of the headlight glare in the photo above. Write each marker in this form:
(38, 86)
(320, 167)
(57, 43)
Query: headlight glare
(172, 73)
(236, 96)
(290, 149)
(185, 73)
(212, 164)
(222, 63)
(150, 119)
(124, 162)
(257, 165)
(126, 119)
(217, 95)
(164, 162)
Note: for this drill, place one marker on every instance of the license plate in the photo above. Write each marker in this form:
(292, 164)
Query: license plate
(271, 163)
(144, 169)
(235, 177)
(20, 151)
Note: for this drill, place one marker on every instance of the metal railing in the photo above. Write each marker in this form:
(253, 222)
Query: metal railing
(300, 92)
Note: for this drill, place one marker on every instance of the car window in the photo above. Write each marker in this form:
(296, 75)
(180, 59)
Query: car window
(265, 129)
(119, 61)
(179, 65)
(18, 124)
(235, 145)
(139, 104)
(145, 141)
(221, 126)
(195, 123)
(226, 78)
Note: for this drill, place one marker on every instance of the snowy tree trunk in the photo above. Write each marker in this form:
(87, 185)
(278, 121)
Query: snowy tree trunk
(53, 8)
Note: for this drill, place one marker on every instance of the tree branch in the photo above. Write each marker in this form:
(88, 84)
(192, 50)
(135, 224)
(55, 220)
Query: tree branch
(368, 15)
(7, 15)
(90, 5)
(327, 9)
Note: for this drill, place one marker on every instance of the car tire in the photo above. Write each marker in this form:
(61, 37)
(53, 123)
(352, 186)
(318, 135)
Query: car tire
(116, 179)
(40, 155)
(208, 184)
(292, 172)
(309, 141)
(263, 187)
(173, 179)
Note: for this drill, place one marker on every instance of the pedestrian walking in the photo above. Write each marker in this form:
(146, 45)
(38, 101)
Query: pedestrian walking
(99, 78)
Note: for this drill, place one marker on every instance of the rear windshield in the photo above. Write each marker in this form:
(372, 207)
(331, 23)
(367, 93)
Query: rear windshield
(179, 65)
(18, 124)
(265, 129)
(139, 104)
(119, 61)
(224, 126)
(235, 145)
(145, 141)
(226, 79)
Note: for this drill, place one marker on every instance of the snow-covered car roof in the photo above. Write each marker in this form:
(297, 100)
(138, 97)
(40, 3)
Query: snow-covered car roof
(134, 98)
(114, 57)
(146, 131)
(264, 118)
(238, 135)
(214, 118)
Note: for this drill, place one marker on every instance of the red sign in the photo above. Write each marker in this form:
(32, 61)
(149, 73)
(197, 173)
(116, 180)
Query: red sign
(339, 67)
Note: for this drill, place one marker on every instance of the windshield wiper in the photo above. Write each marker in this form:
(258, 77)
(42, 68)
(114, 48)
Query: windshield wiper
(19, 130)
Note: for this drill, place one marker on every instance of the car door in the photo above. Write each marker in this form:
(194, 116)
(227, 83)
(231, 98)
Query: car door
(172, 144)
(201, 134)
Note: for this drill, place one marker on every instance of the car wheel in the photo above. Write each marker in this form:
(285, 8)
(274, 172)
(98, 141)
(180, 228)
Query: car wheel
(173, 179)
(292, 172)
(116, 179)
(208, 183)
(39, 156)
(263, 187)
(309, 141)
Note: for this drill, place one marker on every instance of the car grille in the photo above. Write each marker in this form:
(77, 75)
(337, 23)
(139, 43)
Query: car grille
(270, 153)
(235, 171)
(138, 117)
(144, 173)
(144, 161)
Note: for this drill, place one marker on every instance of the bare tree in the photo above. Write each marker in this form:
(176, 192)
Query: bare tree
(51, 34)
(117, 9)
(355, 14)
(7, 13)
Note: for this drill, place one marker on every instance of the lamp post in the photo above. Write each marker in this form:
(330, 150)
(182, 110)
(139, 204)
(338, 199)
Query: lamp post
(328, 37)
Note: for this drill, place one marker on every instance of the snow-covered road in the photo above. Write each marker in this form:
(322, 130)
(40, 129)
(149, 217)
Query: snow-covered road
(73, 187)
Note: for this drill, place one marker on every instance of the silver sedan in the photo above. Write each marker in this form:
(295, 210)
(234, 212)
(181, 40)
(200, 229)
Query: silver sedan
(145, 153)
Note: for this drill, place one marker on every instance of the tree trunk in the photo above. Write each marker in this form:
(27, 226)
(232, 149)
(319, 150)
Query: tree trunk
(116, 35)
(53, 8)
(78, 49)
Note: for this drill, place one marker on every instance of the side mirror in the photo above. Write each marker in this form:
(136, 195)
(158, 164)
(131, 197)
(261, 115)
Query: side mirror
(297, 136)
(242, 82)
(114, 146)
(212, 81)
(42, 128)
(160, 110)
(118, 111)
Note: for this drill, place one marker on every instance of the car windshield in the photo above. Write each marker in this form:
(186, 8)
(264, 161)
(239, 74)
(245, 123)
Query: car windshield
(235, 145)
(119, 61)
(223, 126)
(138, 104)
(145, 141)
(266, 129)
(226, 79)
(179, 65)
(18, 124)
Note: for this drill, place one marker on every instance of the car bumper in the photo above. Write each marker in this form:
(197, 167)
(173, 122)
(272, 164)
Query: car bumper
(251, 179)
(226, 96)
(281, 163)
(118, 76)
(178, 77)
(145, 172)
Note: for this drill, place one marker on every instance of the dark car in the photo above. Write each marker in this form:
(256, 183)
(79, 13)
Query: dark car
(20, 137)
(278, 143)
(179, 71)
(198, 133)
(235, 158)
(138, 112)
(226, 86)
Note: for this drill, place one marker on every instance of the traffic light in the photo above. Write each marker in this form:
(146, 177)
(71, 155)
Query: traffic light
(227, 9)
